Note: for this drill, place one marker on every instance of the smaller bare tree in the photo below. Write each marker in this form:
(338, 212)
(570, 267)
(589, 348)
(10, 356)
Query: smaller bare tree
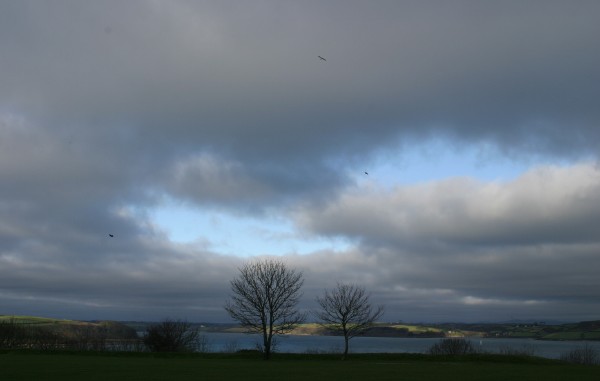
(347, 309)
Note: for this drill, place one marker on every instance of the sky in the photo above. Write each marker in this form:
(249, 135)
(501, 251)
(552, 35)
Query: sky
(444, 155)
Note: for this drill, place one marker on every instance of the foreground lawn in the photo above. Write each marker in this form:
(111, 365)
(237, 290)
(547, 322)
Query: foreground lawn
(16, 366)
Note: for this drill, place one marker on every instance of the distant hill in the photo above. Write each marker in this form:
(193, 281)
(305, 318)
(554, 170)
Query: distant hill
(586, 330)
(573, 331)
(35, 320)
(589, 330)
(379, 330)
(71, 328)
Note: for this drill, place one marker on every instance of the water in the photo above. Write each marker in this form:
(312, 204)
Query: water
(231, 342)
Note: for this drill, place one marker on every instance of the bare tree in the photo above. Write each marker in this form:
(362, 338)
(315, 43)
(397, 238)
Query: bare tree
(347, 309)
(264, 299)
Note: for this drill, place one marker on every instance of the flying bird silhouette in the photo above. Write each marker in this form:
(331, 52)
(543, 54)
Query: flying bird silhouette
(322, 58)
(111, 235)
(366, 173)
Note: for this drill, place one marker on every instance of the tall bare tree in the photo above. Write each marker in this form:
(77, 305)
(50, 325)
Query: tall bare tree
(347, 309)
(264, 299)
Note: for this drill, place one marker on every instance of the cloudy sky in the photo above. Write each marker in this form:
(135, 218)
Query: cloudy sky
(205, 134)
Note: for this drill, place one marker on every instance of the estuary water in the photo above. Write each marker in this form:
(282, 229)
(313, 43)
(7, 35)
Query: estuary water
(231, 342)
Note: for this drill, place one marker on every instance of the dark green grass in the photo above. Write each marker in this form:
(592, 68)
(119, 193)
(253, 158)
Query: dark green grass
(17, 366)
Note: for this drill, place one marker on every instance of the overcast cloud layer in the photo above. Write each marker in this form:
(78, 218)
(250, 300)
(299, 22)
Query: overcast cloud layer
(107, 108)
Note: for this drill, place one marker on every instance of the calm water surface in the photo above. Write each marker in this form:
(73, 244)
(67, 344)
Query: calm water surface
(229, 342)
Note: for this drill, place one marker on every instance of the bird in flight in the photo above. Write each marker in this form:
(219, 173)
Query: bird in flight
(111, 235)
(322, 58)
(366, 173)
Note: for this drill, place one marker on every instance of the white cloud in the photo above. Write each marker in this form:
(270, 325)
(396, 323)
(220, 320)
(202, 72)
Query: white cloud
(545, 205)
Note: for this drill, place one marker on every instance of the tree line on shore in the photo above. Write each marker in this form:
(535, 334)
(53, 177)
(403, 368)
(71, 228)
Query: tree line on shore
(76, 336)
(264, 300)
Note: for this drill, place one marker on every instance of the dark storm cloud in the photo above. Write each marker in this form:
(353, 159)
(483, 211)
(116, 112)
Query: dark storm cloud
(245, 80)
(105, 107)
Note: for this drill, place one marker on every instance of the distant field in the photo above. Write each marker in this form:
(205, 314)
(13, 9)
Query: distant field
(573, 336)
(416, 328)
(47, 331)
(34, 320)
(380, 329)
(38, 320)
(101, 367)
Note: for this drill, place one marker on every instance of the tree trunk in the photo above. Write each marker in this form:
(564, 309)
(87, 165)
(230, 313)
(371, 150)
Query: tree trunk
(267, 346)
(345, 347)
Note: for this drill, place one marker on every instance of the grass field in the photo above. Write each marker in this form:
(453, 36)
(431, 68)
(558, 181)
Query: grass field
(17, 366)
(416, 328)
(35, 320)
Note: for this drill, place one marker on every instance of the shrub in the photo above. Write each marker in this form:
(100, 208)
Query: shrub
(586, 355)
(79, 336)
(203, 344)
(452, 347)
(231, 347)
(171, 336)
(12, 335)
(15, 335)
(525, 350)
